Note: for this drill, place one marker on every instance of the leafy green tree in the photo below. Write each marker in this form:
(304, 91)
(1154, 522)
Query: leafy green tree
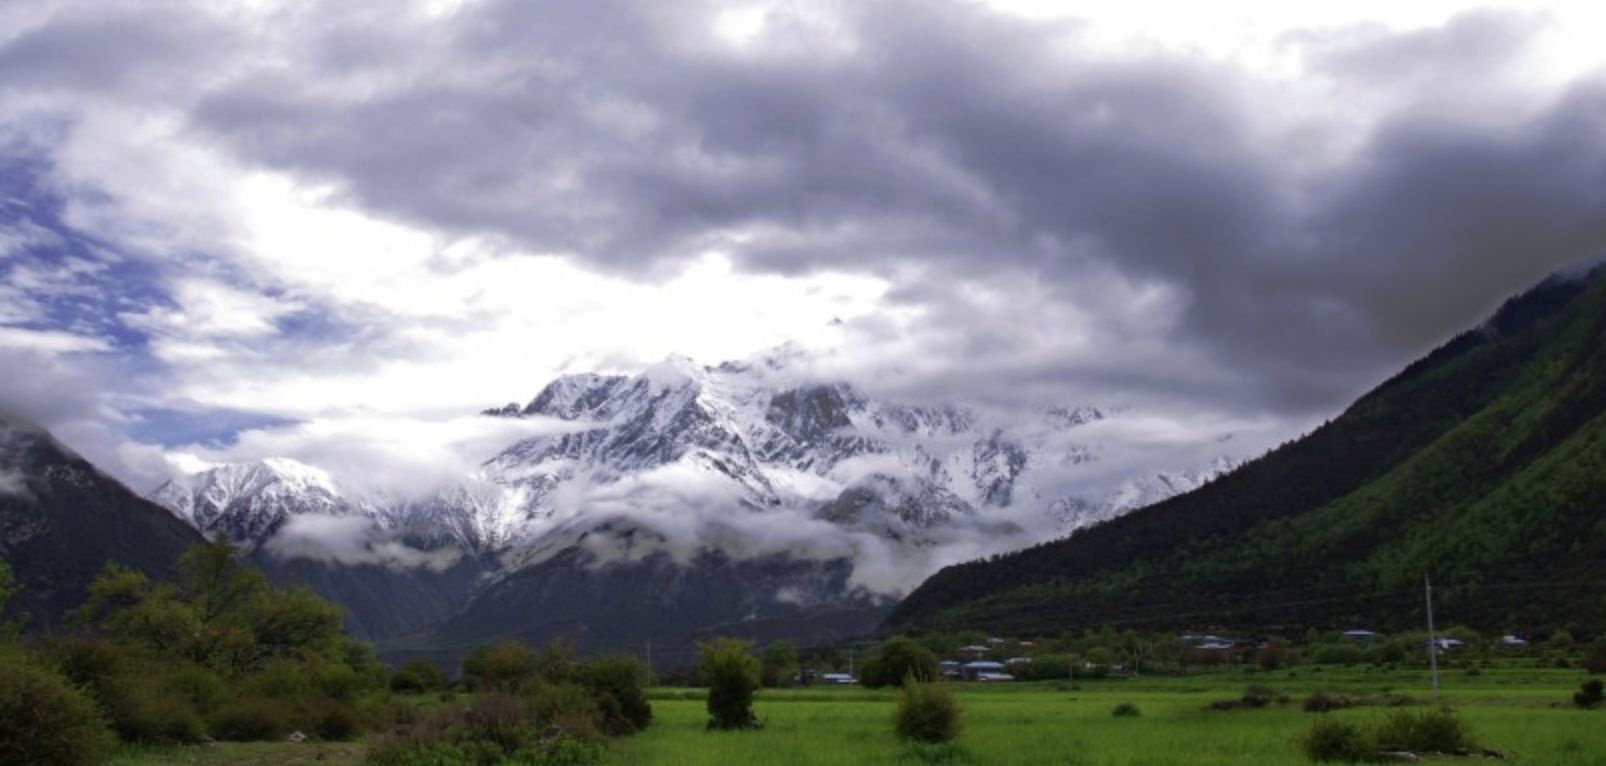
(899, 658)
(294, 619)
(419, 675)
(215, 578)
(732, 676)
(503, 666)
(779, 663)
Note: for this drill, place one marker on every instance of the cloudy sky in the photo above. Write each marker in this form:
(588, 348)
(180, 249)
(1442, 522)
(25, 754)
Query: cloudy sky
(233, 229)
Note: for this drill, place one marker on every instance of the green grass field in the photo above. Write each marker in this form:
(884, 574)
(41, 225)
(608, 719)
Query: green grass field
(1520, 712)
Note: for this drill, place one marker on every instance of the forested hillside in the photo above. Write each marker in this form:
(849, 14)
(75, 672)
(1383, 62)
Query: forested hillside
(1482, 464)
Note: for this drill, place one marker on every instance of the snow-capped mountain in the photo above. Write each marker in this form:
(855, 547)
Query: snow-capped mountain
(249, 502)
(1137, 492)
(750, 461)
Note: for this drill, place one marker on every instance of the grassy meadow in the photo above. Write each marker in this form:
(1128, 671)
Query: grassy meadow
(1521, 712)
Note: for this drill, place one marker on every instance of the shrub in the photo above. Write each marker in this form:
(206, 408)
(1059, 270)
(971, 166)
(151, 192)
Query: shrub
(1126, 710)
(778, 664)
(1595, 663)
(202, 687)
(1336, 741)
(418, 676)
(926, 712)
(1257, 697)
(1322, 702)
(732, 676)
(43, 719)
(249, 719)
(1437, 731)
(499, 719)
(335, 721)
(899, 658)
(499, 729)
(571, 709)
(504, 666)
(1588, 694)
(142, 711)
(621, 682)
(1336, 654)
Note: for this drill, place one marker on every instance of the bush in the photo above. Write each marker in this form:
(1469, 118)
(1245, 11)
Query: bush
(1126, 710)
(927, 712)
(1337, 654)
(505, 666)
(569, 708)
(1257, 697)
(499, 719)
(1588, 694)
(779, 664)
(1322, 702)
(1437, 731)
(43, 719)
(621, 681)
(418, 677)
(144, 712)
(249, 719)
(1337, 741)
(732, 676)
(899, 658)
(499, 729)
(1595, 663)
(335, 721)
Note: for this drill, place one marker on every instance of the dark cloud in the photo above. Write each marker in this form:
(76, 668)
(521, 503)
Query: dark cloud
(119, 47)
(942, 145)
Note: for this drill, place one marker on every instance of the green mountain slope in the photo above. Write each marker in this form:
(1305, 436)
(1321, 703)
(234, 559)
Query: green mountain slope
(1483, 464)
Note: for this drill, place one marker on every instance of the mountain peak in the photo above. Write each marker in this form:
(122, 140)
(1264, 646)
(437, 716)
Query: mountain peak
(674, 372)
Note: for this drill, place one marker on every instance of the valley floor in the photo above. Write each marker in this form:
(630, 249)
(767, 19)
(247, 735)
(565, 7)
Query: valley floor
(1524, 713)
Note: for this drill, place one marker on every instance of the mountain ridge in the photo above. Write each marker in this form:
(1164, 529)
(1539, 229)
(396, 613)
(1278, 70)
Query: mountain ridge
(1483, 463)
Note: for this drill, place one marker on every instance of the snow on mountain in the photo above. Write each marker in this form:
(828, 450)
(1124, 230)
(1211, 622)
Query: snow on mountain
(753, 455)
(1074, 512)
(249, 502)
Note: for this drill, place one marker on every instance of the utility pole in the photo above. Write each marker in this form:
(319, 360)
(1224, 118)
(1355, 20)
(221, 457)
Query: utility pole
(1433, 640)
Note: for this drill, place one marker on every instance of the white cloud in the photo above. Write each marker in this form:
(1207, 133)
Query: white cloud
(351, 540)
(50, 341)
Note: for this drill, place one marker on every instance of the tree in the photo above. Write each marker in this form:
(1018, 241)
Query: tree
(732, 676)
(419, 675)
(779, 663)
(900, 658)
(1168, 649)
(8, 590)
(504, 666)
(217, 581)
